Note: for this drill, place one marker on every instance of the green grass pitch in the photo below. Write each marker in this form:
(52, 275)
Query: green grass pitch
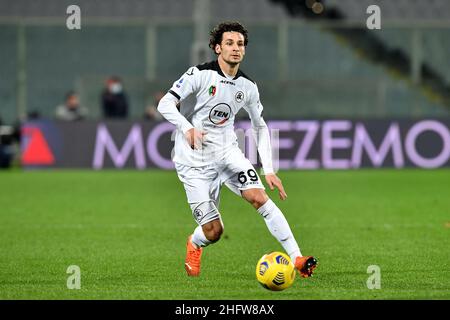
(126, 230)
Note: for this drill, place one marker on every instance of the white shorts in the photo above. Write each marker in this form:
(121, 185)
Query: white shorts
(203, 184)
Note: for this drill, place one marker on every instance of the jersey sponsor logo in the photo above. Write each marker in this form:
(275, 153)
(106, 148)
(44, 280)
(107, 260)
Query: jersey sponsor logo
(220, 113)
(227, 82)
(212, 91)
(239, 96)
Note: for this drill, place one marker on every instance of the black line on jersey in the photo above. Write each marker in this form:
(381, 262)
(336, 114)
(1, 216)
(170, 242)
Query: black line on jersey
(242, 74)
(190, 72)
(175, 94)
(214, 65)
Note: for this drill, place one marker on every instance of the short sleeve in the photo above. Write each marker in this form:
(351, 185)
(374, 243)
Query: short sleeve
(187, 84)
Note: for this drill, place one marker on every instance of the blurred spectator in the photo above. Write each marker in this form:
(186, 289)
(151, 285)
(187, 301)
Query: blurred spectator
(6, 151)
(71, 109)
(114, 99)
(151, 112)
(5, 156)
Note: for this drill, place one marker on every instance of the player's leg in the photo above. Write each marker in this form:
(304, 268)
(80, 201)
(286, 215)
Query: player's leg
(202, 236)
(275, 220)
(279, 227)
(242, 179)
(202, 190)
(210, 226)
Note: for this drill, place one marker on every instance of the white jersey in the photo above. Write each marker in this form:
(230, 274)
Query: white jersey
(209, 100)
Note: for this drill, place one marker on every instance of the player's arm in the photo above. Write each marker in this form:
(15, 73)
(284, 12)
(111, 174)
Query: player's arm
(262, 137)
(167, 106)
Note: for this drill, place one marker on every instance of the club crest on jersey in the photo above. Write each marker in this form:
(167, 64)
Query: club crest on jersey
(198, 214)
(212, 91)
(220, 113)
(239, 96)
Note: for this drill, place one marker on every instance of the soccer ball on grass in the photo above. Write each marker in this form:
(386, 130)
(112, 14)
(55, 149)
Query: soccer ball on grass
(275, 271)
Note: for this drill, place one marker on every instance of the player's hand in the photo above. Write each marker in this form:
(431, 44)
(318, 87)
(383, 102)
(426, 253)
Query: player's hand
(273, 181)
(195, 138)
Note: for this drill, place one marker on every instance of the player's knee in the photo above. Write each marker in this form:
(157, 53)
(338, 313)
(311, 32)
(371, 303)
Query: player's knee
(257, 198)
(214, 235)
(213, 231)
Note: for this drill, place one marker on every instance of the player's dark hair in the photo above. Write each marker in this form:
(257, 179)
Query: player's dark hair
(217, 32)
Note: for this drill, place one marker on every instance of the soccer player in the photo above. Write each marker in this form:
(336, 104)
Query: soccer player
(206, 153)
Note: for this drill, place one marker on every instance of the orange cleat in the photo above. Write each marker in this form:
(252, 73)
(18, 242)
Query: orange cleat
(193, 259)
(305, 265)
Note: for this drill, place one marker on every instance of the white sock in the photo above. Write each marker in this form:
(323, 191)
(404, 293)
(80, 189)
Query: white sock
(279, 228)
(199, 238)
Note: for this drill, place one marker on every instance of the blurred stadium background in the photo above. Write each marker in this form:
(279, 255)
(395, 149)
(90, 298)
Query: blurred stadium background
(311, 59)
(307, 65)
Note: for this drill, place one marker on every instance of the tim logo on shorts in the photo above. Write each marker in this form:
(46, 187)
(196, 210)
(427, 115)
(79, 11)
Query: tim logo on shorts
(220, 114)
